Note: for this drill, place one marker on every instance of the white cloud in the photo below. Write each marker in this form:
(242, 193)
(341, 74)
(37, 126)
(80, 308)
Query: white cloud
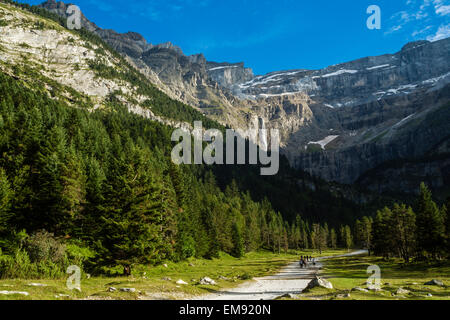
(422, 31)
(394, 29)
(442, 33)
(440, 8)
(425, 19)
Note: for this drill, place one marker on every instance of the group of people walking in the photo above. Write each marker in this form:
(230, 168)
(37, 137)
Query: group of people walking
(304, 260)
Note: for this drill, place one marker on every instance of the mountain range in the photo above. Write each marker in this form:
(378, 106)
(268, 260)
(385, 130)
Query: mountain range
(379, 123)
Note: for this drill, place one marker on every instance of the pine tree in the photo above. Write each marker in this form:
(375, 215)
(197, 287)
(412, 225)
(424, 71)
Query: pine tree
(348, 237)
(403, 230)
(6, 195)
(359, 233)
(333, 239)
(238, 242)
(430, 224)
(381, 233)
(445, 212)
(367, 232)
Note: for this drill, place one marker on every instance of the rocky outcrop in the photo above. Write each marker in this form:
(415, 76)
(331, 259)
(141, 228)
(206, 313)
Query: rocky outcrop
(229, 75)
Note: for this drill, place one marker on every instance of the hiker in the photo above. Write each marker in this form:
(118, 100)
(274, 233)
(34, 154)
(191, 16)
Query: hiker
(302, 263)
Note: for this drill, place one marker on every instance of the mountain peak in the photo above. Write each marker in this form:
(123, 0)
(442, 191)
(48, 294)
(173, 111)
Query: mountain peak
(415, 44)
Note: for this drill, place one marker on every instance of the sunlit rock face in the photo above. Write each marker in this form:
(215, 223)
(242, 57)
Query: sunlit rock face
(371, 121)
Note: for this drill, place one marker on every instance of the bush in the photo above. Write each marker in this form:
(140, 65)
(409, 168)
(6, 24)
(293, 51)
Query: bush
(19, 266)
(43, 247)
(38, 256)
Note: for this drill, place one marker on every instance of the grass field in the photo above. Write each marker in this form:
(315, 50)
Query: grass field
(149, 284)
(350, 272)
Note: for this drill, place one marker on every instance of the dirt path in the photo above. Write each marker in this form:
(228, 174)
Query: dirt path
(292, 279)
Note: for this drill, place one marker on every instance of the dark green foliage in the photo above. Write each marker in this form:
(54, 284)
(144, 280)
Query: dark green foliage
(105, 182)
(238, 243)
(401, 232)
(430, 224)
(5, 201)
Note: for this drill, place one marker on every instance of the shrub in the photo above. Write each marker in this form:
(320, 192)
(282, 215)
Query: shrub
(44, 247)
(19, 266)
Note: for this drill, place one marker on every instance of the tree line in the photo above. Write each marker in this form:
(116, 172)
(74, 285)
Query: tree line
(419, 233)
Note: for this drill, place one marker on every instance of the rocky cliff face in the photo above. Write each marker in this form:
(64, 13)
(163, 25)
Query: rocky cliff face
(229, 75)
(42, 52)
(357, 82)
(344, 123)
(186, 78)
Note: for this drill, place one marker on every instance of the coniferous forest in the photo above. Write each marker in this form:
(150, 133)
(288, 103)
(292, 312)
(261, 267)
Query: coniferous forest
(98, 189)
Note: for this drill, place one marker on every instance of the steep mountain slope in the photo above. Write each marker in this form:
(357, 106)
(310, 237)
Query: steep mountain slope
(77, 68)
(339, 123)
(186, 78)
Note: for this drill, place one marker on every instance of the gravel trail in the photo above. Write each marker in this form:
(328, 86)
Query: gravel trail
(292, 279)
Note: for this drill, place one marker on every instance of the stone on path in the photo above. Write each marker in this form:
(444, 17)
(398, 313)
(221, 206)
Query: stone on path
(181, 282)
(319, 282)
(128, 289)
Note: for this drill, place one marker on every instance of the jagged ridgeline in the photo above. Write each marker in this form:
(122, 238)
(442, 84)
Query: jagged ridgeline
(85, 154)
(133, 89)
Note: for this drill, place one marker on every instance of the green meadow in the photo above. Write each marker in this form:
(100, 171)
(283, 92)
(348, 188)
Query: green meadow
(350, 272)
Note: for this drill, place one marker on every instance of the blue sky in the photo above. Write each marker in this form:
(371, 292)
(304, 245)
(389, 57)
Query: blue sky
(277, 34)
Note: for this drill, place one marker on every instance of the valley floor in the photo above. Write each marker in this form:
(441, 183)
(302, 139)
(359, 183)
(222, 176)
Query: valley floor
(160, 283)
(261, 275)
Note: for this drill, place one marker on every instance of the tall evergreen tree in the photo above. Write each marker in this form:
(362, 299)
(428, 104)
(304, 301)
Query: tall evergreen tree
(238, 242)
(430, 224)
(381, 235)
(403, 230)
(5, 201)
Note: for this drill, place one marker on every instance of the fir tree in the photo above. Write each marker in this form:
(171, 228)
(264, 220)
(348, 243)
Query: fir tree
(430, 224)
(238, 242)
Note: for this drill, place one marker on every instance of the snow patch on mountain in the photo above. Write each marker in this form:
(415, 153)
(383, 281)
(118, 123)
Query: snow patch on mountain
(378, 67)
(323, 143)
